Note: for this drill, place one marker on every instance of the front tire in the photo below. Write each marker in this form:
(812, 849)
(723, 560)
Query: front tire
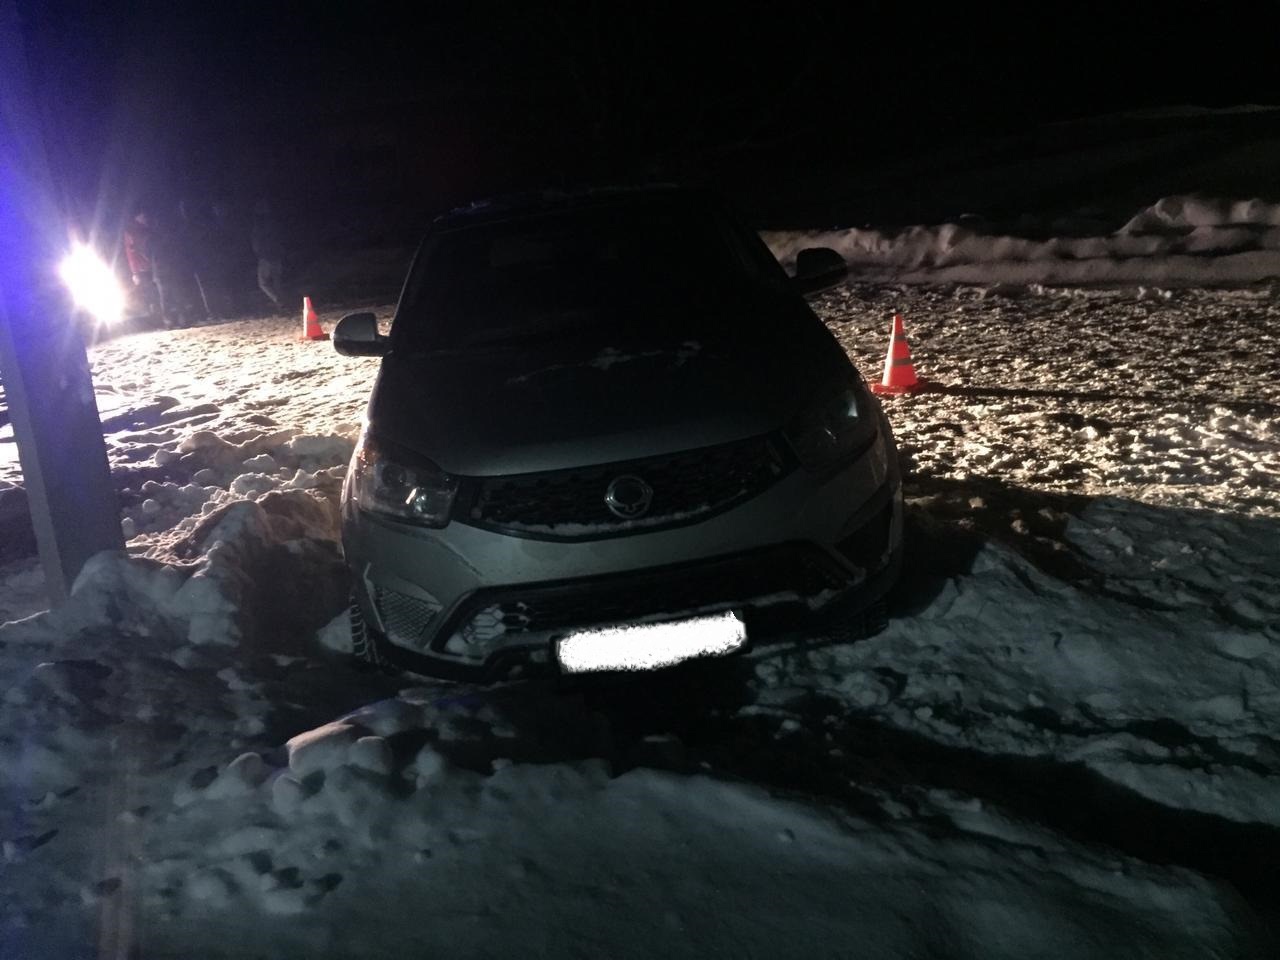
(365, 647)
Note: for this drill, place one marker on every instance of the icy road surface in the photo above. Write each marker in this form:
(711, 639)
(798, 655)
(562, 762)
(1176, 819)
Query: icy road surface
(1064, 744)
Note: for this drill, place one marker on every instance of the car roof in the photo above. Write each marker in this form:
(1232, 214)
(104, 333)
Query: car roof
(519, 204)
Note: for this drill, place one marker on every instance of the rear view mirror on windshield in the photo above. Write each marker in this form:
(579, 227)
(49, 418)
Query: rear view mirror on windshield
(356, 335)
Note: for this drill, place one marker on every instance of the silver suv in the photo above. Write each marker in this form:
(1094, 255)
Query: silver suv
(602, 408)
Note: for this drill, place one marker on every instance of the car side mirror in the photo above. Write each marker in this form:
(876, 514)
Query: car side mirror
(818, 268)
(356, 335)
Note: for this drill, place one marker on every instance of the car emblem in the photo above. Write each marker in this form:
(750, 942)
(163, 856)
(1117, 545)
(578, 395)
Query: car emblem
(628, 497)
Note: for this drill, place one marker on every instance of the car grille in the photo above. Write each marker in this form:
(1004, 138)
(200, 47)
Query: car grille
(570, 505)
(406, 619)
(789, 573)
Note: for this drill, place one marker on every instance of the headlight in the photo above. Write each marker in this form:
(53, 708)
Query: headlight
(400, 485)
(93, 285)
(832, 429)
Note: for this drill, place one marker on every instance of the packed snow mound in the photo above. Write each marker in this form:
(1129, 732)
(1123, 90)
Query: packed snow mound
(1178, 241)
(113, 701)
(1151, 655)
(1182, 214)
(424, 805)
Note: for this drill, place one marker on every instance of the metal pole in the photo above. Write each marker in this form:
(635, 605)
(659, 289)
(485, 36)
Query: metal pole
(47, 384)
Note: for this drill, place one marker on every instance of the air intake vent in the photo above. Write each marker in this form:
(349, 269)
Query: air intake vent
(406, 618)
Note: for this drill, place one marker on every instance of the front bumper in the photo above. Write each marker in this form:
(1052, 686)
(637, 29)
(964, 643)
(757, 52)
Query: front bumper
(469, 603)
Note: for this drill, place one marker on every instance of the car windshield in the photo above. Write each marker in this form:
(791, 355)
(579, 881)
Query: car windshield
(620, 267)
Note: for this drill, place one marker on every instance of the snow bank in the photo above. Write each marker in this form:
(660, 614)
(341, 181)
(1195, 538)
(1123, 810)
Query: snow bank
(1178, 241)
(416, 804)
(1156, 664)
(112, 702)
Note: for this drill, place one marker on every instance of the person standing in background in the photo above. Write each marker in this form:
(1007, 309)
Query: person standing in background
(268, 248)
(139, 250)
(229, 255)
(195, 230)
(172, 267)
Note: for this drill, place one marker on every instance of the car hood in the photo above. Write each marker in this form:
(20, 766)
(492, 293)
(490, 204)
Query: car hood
(517, 410)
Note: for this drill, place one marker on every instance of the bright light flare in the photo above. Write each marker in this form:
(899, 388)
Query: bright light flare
(94, 286)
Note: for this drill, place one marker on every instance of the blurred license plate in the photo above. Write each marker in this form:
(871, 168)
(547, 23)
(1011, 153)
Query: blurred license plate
(650, 646)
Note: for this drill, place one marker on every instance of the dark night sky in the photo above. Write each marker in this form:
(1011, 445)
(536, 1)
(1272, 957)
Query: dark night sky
(362, 104)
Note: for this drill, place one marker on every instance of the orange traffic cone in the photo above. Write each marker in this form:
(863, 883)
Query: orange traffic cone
(311, 323)
(899, 373)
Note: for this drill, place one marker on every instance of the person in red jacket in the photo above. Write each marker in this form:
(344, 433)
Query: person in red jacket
(139, 250)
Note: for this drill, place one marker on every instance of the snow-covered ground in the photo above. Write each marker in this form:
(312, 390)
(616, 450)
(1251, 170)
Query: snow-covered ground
(1063, 744)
